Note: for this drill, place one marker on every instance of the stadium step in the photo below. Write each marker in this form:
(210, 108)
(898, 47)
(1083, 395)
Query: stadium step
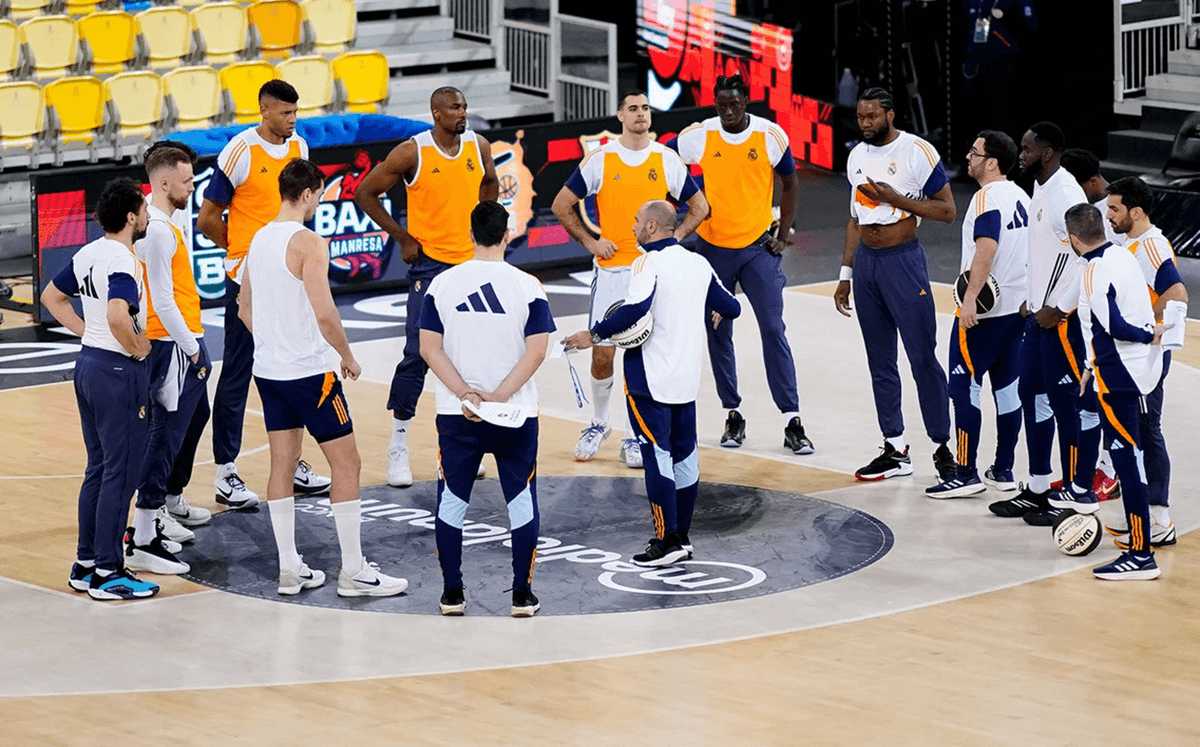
(1164, 119)
(1184, 62)
(475, 84)
(376, 6)
(1182, 89)
(1140, 146)
(441, 53)
(389, 34)
(497, 106)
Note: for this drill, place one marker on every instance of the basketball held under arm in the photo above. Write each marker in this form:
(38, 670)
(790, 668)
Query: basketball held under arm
(981, 268)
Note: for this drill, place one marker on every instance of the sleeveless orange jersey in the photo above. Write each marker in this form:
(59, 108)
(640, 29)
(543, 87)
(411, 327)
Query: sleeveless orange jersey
(255, 200)
(187, 298)
(739, 182)
(625, 189)
(441, 197)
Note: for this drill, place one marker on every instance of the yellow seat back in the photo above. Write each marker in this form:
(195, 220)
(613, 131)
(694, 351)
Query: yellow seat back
(138, 97)
(10, 47)
(168, 33)
(22, 113)
(312, 77)
(53, 42)
(243, 80)
(76, 8)
(333, 23)
(365, 76)
(223, 26)
(79, 102)
(196, 92)
(111, 34)
(278, 24)
(21, 9)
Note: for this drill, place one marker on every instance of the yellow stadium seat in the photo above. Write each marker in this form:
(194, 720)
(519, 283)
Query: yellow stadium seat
(168, 34)
(10, 50)
(365, 77)
(78, 8)
(194, 96)
(112, 37)
(24, 9)
(137, 98)
(22, 122)
(312, 77)
(334, 24)
(78, 110)
(224, 27)
(241, 81)
(278, 23)
(54, 43)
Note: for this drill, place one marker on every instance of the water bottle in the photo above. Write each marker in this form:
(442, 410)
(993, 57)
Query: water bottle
(847, 90)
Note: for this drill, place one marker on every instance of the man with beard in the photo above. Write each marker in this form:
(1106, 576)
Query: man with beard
(447, 171)
(1052, 353)
(896, 179)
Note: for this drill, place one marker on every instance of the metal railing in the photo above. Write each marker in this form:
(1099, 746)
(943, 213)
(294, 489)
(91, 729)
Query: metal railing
(591, 93)
(529, 57)
(1142, 48)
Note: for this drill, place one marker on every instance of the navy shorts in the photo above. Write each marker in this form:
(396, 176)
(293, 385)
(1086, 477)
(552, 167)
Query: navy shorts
(315, 403)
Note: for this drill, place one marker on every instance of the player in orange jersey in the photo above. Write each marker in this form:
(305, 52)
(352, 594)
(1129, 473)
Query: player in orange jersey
(447, 171)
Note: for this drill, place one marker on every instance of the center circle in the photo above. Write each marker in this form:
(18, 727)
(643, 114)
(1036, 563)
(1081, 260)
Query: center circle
(748, 542)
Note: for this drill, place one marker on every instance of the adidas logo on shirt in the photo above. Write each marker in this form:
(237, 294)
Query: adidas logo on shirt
(482, 300)
(1067, 381)
(717, 154)
(1116, 444)
(436, 170)
(958, 371)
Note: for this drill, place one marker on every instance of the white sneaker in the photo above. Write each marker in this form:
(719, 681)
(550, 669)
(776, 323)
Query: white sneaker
(153, 558)
(481, 472)
(399, 475)
(631, 453)
(231, 491)
(590, 440)
(307, 482)
(186, 514)
(369, 582)
(172, 529)
(291, 582)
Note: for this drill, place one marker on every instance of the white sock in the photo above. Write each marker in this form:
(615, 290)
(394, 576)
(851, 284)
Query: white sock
(898, 443)
(86, 563)
(399, 435)
(283, 523)
(173, 501)
(1039, 483)
(787, 418)
(143, 526)
(1160, 515)
(347, 516)
(601, 393)
(104, 572)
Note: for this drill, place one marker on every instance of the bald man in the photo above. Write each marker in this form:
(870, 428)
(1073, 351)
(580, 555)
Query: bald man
(447, 171)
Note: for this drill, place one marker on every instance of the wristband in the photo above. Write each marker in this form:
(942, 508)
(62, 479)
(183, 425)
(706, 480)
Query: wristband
(846, 273)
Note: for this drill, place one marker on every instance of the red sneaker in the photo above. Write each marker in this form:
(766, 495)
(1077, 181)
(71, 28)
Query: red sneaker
(1056, 486)
(1106, 488)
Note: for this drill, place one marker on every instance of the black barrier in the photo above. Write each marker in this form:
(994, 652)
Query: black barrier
(532, 164)
(1177, 214)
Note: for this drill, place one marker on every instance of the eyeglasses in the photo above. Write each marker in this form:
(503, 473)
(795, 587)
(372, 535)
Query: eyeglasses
(972, 154)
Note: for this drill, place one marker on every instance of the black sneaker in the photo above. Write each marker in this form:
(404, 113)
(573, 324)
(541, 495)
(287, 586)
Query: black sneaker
(661, 552)
(889, 463)
(686, 543)
(735, 430)
(524, 603)
(1026, 502)
(794, 438)
(945, 463)
(154, 557)
(121, 584)
(1046, 517)
(453, 603)
(81, 576)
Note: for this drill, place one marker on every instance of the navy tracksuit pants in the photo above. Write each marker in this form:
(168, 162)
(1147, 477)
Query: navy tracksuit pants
(237, 365)
(169, 430)
(893, 295)
(461, 445)
(991, 347)
(112, 391)
(757, 271)
(1158, 464)
(1121, 414)
(409, 379)
(667, 436)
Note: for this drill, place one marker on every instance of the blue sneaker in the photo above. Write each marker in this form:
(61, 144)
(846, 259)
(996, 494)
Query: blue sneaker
(81, 577)
(1001, 480)
(121, 584)
(1082, 503)
(957, 487)
(1129, 567)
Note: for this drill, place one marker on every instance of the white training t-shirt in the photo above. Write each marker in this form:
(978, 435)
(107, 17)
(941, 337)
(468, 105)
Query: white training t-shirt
(908, 164)
(1054, 268)
(484, 310)
(1156, 259)
(102, 270)
(1000, 211)
(1118, 328)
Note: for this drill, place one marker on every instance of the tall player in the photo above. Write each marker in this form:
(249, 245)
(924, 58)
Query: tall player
(741, 154)
(1129, 202)
(995, 242)
(624, 174)
(111, 386)
(447, 171)
(245, 182)
(1052, 353)
(298, 338)
(895, 180)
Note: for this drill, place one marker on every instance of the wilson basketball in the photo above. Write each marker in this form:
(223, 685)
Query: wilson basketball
(1077, 534)
(989, 294)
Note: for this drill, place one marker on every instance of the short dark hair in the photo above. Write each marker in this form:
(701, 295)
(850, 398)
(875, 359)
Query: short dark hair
(733, 83)
(280, 90)
(443, 91)
(300, 174)
(881, 95)
(1048, 133)
(627, 94)
(161, 157)
(178, 145)
(1001, 147)
(1085, 223)
(489, 221)
(1133, 193)
(1080, 163)
(119, 198)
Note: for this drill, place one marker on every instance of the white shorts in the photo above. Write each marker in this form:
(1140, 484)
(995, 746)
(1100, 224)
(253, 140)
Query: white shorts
(609, 286)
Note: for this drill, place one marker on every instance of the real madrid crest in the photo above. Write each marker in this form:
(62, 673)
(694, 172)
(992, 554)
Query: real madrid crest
(1039, 217)
(653, 175)
(470, 164)
(753, 154)
(892, 168)
(142, 413)
(417, 286)
(202, 373)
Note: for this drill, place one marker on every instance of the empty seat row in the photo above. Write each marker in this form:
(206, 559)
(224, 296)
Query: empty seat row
(88, 117)
(24, 9)
(161, 38)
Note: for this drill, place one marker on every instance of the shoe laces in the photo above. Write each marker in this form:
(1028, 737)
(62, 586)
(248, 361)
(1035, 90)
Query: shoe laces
(304, 467)
(235, 482)
(629, 443)
(595, 429)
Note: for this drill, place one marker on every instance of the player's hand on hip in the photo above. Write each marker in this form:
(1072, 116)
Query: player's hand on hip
(716, 320)
(410, 249)
(1158, 332)
(603, 248)
(841, 298)
(776, 245)
(578, 341)
(141, 346)
(350, 369)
